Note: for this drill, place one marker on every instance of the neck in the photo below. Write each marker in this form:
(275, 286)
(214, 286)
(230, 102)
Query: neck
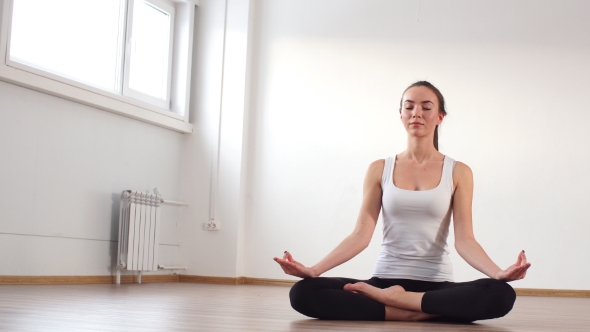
(420, 149)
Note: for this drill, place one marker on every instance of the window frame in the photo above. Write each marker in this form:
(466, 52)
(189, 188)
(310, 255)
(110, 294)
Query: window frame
(176, 118)
(127, 90)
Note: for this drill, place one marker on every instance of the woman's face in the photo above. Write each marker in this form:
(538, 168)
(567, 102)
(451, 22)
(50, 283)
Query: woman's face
(419, 112)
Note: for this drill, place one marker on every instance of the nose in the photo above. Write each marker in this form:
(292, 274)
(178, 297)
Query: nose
(416, 111)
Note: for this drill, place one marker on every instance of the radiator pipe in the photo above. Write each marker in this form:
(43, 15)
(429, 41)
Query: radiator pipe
(165, 201)
(162, 267)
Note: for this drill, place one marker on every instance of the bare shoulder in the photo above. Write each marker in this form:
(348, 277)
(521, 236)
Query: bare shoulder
(377, 165)
(462, 174)
(375, 170)
(461, 169)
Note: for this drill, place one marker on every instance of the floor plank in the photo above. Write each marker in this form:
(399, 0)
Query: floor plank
(207, 307)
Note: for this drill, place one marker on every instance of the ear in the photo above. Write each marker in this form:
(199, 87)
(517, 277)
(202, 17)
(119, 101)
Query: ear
(441, 117)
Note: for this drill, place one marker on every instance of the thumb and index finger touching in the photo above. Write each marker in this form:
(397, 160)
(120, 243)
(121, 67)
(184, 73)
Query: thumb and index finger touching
(286, 258)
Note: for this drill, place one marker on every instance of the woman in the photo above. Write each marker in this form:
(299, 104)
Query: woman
(417, 190)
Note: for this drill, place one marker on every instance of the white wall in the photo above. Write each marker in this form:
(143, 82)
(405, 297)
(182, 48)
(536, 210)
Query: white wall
(63, 168)
(326, 81)
(213, 164)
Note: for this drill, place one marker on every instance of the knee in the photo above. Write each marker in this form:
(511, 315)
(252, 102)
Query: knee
(300, 293)
(502, 298)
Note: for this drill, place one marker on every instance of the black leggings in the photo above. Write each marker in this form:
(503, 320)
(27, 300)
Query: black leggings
(324, 298)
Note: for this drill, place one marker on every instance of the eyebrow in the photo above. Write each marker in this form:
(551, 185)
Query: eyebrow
(411, 101)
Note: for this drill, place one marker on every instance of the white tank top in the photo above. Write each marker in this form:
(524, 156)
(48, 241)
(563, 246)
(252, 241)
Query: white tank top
(415, 229)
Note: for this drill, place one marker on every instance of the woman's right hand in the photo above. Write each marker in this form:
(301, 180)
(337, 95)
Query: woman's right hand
(294, 268)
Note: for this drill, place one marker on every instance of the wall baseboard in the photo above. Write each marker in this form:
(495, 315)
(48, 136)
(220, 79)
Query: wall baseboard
(235, 281)
(268, 282)
(79, 280)
(552, 292)
(127, 279)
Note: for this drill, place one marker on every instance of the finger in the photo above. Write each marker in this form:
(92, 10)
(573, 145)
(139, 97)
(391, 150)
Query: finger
(511, 275)
(520, 272)
(523, 271)
(519, 276)
(525, 267)
(513, 272)
(285, 267)
(283, 263)
(279, 261)
(509, 271)
(286, 270)
(291, 266)
(289, 257)
(524, 261)
(515, 275)
(519, 259)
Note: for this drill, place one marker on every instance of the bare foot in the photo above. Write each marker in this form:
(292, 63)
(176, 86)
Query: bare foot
(386, 296)
(394, 296)
(361, 287)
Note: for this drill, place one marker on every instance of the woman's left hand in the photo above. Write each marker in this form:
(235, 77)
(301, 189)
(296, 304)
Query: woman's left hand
(516, 271)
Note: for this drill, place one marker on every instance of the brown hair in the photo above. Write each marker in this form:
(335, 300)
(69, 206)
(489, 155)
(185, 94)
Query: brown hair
(441, 103)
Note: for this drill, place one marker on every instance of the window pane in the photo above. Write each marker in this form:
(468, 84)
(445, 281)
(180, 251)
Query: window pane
(78, 39)
(148, 68)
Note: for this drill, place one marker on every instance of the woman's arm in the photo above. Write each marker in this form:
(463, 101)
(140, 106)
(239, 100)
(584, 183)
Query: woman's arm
(357, 241)
(465, 243)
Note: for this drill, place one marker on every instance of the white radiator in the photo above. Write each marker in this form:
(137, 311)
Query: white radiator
(139, 225)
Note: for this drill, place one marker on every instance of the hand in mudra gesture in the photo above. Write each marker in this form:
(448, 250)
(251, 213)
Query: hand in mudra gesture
(294, 268)
(516, 271)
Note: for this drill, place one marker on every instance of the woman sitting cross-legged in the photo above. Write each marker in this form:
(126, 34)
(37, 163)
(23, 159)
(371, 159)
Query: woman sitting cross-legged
(417, 190)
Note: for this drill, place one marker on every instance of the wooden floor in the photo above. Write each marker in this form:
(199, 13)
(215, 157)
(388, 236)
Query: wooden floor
(202, 307)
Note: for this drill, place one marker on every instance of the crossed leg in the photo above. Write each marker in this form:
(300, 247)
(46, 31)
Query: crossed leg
(399, 304)
(326, 298)
(379, 299)
(462, 302)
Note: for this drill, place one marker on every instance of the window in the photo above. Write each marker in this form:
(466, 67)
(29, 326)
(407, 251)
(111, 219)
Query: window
(148, 64)
(131, 53)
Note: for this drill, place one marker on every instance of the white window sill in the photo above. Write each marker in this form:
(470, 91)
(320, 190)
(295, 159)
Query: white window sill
(116, 104)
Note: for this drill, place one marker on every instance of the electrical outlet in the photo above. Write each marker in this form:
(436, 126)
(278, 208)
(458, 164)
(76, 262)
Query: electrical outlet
(212, 225)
